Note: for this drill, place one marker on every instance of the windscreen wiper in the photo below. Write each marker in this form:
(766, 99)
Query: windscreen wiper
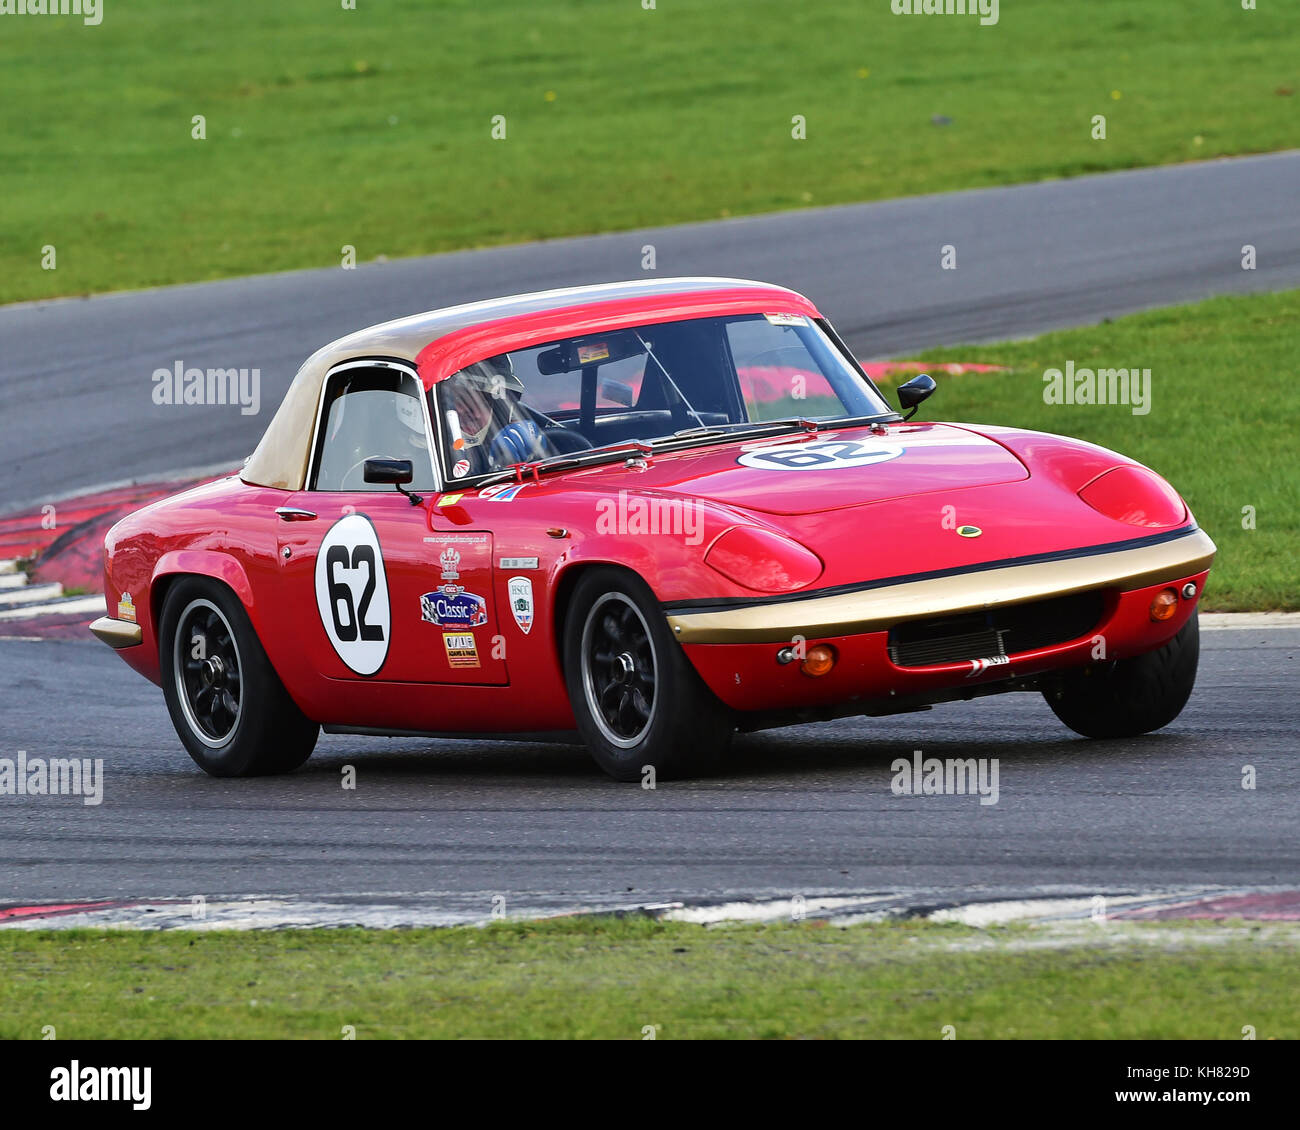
(806, 423)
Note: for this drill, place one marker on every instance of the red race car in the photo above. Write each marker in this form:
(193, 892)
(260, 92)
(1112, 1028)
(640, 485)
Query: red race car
(656, 512)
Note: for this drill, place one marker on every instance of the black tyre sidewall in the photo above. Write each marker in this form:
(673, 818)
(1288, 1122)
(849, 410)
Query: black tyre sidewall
(1131, 696)
(690, 729)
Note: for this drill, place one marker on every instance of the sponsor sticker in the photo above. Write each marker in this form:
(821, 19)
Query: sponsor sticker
(452, 607)
(518, 563)
(460, 469)
(449, 499)
(449, 559)
(521, 602)
(786, 319)
(501, 492)
(590, 354)
(457, 539)
(461, 651)
(126, 608)
(979, 666)
(826, 455)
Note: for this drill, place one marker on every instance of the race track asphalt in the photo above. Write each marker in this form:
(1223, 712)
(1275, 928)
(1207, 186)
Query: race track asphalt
(804, 810)
(76, 407)
(797, 811)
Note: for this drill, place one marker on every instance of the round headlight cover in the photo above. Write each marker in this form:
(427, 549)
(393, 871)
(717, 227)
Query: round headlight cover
(1136, 496)
(763, 560)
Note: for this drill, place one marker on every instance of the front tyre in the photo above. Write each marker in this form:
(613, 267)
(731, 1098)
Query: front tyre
(227, 703)
(1130, 696)
(637, 700)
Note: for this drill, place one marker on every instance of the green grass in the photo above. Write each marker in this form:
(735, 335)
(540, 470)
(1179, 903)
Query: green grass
(610, 978)
(1221, 427)
(372, 127)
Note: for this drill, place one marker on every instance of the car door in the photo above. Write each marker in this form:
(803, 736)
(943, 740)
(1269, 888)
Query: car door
(382, 595)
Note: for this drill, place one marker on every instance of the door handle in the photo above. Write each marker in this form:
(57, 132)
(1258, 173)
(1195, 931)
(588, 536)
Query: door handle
(294, 514)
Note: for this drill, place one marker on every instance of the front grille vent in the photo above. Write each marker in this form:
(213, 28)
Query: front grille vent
(1000, 631)
(947, 649)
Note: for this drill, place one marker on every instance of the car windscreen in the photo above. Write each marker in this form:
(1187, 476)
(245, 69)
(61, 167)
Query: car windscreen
(644, 383)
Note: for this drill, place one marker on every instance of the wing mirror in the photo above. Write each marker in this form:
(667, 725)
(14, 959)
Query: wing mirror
(395, 472)
(911, 393)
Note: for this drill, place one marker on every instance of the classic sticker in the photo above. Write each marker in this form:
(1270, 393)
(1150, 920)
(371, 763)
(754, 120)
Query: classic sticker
(461, 651)
(352, 594)
(827, 455)
(452, 607)
(521, 602)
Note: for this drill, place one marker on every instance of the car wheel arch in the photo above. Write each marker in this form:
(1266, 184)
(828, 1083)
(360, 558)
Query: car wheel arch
(563, 589)
(209, 565)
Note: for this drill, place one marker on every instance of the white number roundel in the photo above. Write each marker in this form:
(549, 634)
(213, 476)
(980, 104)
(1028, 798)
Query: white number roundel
(352, 594)
(826, 455)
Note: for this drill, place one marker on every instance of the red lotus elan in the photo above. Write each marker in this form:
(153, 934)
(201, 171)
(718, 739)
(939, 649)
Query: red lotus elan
(656, 513)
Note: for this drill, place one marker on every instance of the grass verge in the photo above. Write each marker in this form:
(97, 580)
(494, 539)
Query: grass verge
(372, 128)
(611, 978)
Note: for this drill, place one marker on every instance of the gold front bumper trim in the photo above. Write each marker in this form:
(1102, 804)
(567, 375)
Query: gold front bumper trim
(117, 633)
(875, 610)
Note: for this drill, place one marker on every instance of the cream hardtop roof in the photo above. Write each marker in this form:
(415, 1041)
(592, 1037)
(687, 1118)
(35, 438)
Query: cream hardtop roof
(281, 458)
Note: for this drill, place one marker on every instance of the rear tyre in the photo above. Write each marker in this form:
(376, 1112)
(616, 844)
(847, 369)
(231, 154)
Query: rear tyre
(1130, 696)
(638, 701)
(227, 703)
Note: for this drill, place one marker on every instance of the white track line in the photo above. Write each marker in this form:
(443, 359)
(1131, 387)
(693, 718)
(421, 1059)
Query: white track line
(1241, 621)
(82, 605)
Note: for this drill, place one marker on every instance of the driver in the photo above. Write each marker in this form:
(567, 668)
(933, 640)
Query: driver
(488, 427)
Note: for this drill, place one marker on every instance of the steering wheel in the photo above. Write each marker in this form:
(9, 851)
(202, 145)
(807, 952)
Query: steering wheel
(346, 482)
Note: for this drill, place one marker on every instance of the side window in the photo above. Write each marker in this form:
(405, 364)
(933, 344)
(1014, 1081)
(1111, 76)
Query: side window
(367, 414)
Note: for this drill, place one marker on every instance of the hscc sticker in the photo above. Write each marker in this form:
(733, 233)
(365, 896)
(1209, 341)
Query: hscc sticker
(827, 455)
(521, 602)
(352, 594)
